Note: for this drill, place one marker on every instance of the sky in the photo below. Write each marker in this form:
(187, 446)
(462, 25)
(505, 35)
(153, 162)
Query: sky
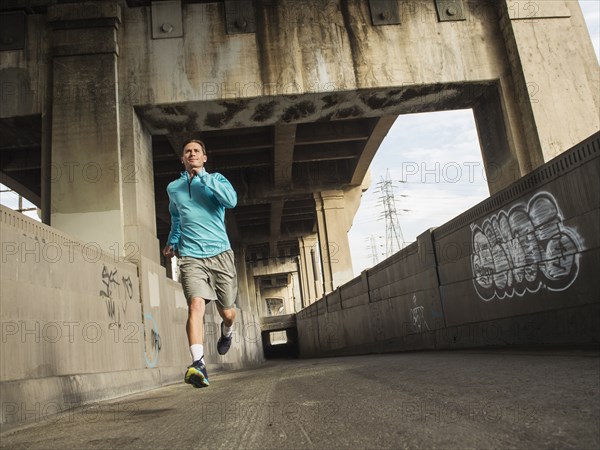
(11, 199)
(436, 168)
(435, 164)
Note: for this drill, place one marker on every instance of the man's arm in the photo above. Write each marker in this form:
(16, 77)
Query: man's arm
(221, 188)
(175, 233)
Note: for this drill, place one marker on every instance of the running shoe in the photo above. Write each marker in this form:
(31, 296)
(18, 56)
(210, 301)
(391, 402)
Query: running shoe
(196, 374)
(224, 342)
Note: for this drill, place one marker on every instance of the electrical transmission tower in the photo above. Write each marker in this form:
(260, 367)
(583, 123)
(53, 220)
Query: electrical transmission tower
(394, 240)
(374, 247)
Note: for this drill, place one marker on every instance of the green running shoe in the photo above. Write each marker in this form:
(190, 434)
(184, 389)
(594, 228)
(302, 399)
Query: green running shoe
(196, 374)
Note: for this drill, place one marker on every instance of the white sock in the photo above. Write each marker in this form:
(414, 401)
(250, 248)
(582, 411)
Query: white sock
(227, 331)
(197, 351)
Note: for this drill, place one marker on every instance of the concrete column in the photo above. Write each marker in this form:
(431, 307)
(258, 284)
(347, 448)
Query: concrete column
(311, 288)
(303, 275)
(333, 226)
(86, 196)
(296, 291)
(137, 174)
(252, 290)
(244, 291)
(551, 74)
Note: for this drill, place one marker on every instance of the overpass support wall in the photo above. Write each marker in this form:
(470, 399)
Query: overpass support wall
(86, 200)
(538, 57)
(312, 288)
(519, 268)
(333, 225)
(335, 212)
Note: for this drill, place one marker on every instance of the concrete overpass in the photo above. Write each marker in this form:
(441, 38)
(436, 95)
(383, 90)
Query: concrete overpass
(293, 102)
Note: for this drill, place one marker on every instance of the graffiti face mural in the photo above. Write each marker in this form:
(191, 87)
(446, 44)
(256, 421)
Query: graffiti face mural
(524, 250)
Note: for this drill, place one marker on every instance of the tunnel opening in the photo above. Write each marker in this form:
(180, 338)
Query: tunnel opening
(281, 344)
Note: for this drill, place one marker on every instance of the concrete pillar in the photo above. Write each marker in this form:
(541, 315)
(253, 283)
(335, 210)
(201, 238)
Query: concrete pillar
(333, 226)
(310, 281)
(86, 196)
(500, 132)
(296, 291)
(261, 309)
(244, 290)
(252, 290)
(551, 74)
(137, 174)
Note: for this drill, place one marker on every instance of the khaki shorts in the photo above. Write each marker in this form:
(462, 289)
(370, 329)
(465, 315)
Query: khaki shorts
(211, 278)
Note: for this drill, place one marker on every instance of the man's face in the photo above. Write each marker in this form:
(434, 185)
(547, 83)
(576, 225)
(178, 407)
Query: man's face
(193, 156)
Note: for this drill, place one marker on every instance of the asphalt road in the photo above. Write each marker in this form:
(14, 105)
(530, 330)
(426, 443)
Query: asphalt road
(459, 399)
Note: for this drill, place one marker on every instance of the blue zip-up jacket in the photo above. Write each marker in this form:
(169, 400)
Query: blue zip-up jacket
(197, 208)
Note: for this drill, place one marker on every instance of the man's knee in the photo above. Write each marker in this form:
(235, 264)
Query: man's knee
(229, 314)
(196, 307)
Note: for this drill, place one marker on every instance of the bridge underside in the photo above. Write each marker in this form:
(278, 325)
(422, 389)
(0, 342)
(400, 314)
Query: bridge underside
(277, 151)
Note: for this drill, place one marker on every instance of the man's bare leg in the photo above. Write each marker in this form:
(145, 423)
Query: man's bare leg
(196, 373)
(228, 316)
(195, 322)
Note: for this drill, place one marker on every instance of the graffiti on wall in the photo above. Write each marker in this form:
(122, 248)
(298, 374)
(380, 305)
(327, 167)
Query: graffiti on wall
(524, 249)
(116, 308)
(152, 350)
(418, 317)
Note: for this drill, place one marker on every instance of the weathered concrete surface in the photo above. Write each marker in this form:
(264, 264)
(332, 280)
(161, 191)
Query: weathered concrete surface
(462, 399)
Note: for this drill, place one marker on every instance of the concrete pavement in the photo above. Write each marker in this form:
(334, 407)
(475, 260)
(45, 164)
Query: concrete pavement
(459, 399)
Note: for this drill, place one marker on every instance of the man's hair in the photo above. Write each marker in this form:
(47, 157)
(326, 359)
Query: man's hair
(197, 141)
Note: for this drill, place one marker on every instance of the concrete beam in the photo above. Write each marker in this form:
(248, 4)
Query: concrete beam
(283, 154)
(263, 195)
(261, 236)
(324, 132)
(328, 152)
(20, 189)
(25, 158)
(277, 323)
(377, 135)
(275, 225)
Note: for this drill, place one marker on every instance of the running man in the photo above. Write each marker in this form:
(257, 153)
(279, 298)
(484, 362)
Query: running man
(197, 202)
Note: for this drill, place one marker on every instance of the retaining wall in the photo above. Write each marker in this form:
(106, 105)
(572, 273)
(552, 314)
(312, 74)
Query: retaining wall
(519, 268)
(79, 325)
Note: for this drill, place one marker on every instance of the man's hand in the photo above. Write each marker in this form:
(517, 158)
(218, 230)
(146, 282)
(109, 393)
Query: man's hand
(168, 251)
(197, 171)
